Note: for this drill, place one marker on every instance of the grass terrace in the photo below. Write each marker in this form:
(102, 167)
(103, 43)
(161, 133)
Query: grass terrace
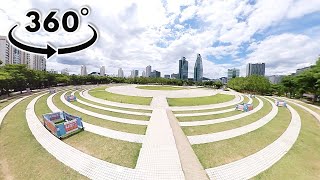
(245, 100)
(196, 101)
(226, 151)
(131, 128)
(162, 88)
(212, 128)
(112, 107)
(111, 150)
(120, 98)
(22, 157)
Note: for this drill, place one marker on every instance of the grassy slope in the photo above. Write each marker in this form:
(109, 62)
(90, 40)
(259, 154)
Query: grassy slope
(112, 107)
(162, 88)
(120, 98)
(5, 103)
(137, 129)
(245, 100)
(111, 150)
(226, 151)
(218, 98)
(303, 160)
(195, 130)
(21, 156)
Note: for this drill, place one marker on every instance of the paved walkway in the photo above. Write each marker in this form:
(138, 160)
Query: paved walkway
(226, 119)
(102, 116)
(87, 96)
(131, 90)
(159, 155)
(110, 109)
(210, 112)
(296, 102)
(5, 110)
(256, 163)
(124, 136)
(223, 135)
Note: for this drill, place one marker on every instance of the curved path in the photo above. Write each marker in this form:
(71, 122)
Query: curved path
(210, 113)
(226, 119)
(131, 90)
(256, 163)
(124, 136)
(5, 110)
(87, 96)
(223, 135)
(110, 109)
(102, 116)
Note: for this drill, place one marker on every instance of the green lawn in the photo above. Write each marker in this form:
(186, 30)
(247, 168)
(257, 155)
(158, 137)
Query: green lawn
(162, 88)
(131, 128)
(245, 100)
(112, 107)
(195, 101)
(205, 129)
(214, 116)
(303, 160)
(21, 156)
(226, 151)
(120, 98)
(111, 113)
(111, 150)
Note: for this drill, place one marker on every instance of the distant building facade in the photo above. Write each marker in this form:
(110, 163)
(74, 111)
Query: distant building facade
(183, 69)
(256, 69)
(233, 73)
(134, 73)
(167, 76)
(120, 73)
(198, 69)
(174, 76)
(155, 74)
(148, 71)
(223, 80)
(275, 79)
(143, 74)
(300, 70)
(65, 71)
(83, 70)
(102, 71)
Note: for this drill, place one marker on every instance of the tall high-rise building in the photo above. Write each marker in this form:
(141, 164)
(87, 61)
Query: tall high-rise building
(83, 70)
(148, 71)
(120, 73)
(102, 71)
(183, 69)
(198, 69)
(232, 73)
(143, 74)
(256, 69)
(134, 73)
(12, 55)
(155, 74)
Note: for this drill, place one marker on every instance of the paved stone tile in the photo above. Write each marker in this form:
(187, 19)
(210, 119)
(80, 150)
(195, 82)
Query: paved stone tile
(110, 109)
(5, 110)
(226, 119)
(102, 116)
(223, 135)
(124, 136)
(159, 154)
(256, 163)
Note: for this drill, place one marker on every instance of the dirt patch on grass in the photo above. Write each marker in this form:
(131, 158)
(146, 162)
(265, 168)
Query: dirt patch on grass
(5, 171)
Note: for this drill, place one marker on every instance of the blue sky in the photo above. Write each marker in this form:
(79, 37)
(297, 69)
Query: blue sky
(133, 34)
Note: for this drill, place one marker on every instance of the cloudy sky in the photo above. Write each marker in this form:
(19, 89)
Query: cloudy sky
(285, 34)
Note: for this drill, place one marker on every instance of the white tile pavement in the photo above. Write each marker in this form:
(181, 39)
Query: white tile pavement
(159, 155)
(102, 116)
(210, 112)
(225, 119)
(110, 109)
(223, 135)
(256, 163)
(124, 136)
(5, 110)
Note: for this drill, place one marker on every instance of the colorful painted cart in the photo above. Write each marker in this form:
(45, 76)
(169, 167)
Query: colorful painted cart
(62, 124)
(244, 107)
(280, 103)
(70, 98)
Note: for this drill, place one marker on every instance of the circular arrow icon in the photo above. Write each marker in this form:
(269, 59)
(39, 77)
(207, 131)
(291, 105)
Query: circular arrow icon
(49, 51)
